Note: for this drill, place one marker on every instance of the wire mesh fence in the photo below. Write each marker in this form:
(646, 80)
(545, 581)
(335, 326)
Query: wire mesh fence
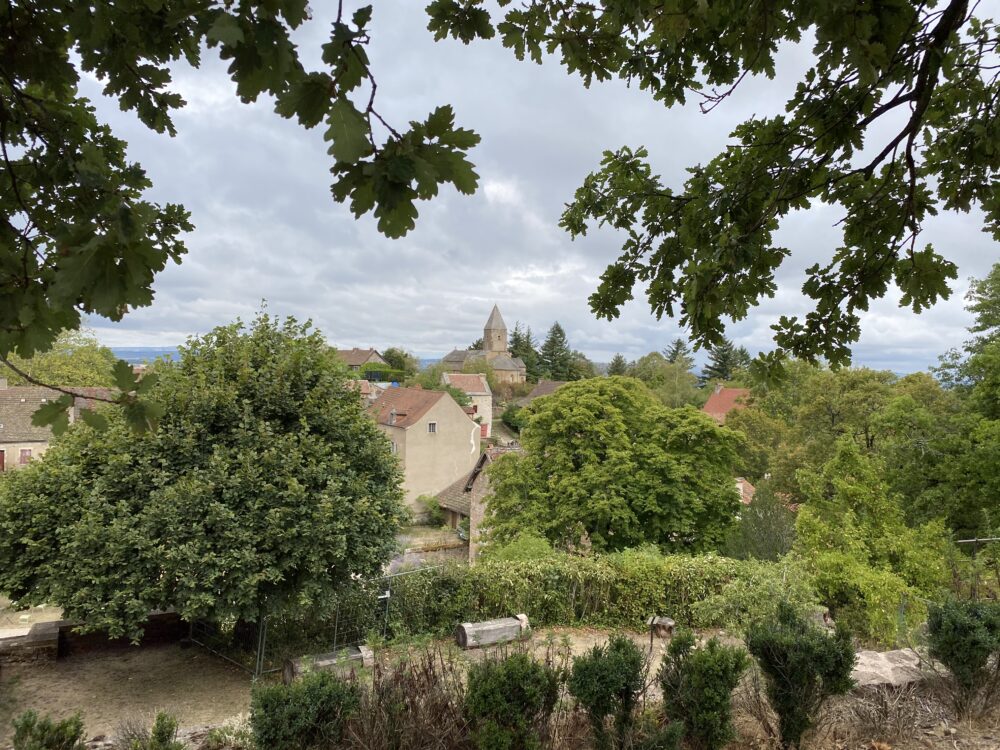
(360, 612)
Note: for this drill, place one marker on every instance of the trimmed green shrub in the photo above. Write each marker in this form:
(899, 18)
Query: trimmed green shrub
(526, 546)
(310, 713)
(433, 511)
(608, 682)
(697, 689)
(32, 732)
(803, 665)
(965, 637)
(508, 701)
(132, 735)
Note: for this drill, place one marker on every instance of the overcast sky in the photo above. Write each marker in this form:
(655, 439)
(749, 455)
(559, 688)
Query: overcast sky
(257, 187)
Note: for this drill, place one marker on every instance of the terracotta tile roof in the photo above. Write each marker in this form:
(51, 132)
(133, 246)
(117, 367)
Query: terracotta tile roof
(356, 357)
(403, 407)
(364, 387)
(724, 400)
(474, 487)
(542, 388)
(18, 403)
(472, 383)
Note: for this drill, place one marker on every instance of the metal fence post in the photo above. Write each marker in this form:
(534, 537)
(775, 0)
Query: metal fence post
(261, 644)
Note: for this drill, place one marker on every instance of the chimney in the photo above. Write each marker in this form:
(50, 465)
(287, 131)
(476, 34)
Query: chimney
(392, 415)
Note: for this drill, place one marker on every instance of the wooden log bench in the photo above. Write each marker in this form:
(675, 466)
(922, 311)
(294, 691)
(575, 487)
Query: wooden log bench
(341, 661)
(492, 632)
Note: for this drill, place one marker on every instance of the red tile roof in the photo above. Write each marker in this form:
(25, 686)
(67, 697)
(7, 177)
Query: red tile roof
(403, 407)
(472, 383)
(724, 400)
(747, 490)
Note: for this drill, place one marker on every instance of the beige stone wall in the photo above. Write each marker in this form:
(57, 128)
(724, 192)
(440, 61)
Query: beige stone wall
(509, 376)
(484, 410)
(12, 455)
(432, 461)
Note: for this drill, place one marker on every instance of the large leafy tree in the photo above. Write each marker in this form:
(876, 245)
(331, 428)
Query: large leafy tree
(76, 359)
(672, 382)
(264, 487)
(78, 232)
(605, 460)
(895, 118)
(402, 361)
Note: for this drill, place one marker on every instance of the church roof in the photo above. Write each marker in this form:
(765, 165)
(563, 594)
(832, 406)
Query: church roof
(496, 320)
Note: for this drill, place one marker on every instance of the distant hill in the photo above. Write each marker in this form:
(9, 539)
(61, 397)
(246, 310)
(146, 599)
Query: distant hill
(136, 355)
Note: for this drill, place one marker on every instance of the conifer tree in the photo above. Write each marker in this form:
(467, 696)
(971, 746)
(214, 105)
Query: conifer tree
(679, 353)
(618, 365)
(523, 346)
(556, 356)
(725, 362)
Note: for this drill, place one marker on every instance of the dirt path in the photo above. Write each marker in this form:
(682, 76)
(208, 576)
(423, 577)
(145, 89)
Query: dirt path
(106, 688)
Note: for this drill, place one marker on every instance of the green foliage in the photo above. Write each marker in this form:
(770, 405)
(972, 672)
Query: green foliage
(605, 461)
(705, 252)
(803, 666)
(697, 688)
(75, 359)
(515, 417)
(309, 714)
(965, 637)
(401, 361)
(508, 700)
(525, 546)
(32, 732)
(522, 345)
(607, 682)
(754, 595)
(616, 590)
(765, 529)
(672, 382)
(162, 736)
(726, 362)
(265, 486)
(555, 357)
(679, 353)
(867, 562)
(618, 365)
(432, 510)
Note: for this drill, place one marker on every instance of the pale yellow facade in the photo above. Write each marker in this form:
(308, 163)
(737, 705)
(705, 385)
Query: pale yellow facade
(434, 457)
(11, 458)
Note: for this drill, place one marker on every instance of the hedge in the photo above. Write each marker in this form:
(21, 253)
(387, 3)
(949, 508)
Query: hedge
(614, 590)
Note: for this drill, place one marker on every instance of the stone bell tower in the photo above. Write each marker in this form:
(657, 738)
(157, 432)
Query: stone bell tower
(495, 334)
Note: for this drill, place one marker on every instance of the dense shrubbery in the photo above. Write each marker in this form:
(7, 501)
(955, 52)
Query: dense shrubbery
(614, 590)
(34, 733)
(965, 637)
(803, 665)
(608, 682)
(310, 713)
(163, 735)
(508, 701)
(697, 689)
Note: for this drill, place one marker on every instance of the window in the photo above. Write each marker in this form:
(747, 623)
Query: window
(432, 427)
(25, 456)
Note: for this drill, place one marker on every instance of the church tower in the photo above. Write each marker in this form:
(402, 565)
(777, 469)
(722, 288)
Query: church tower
(495, 334)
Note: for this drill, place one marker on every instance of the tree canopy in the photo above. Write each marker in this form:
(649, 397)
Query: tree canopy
(555, 357)
(605, 460)
(618, 365)
(76, 359)
(265, 486)
(895, 118)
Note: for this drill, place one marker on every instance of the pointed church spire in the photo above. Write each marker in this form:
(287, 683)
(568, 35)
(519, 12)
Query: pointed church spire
(495, 322)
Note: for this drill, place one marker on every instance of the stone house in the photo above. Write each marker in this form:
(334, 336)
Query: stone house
(356, 359)
(475, 386)
(724, 400)
(542, 388)
(435, 440)
(506, 369)
(20, 440)
(466, 498)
